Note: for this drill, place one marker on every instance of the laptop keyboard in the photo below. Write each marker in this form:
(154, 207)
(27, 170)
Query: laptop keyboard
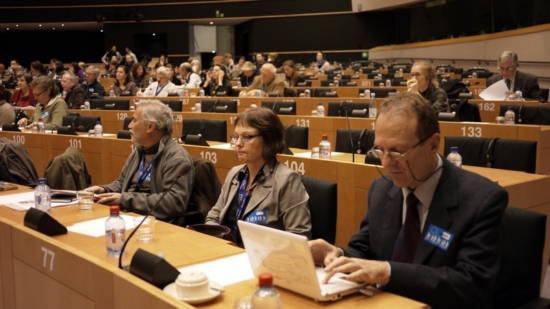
(335, 284)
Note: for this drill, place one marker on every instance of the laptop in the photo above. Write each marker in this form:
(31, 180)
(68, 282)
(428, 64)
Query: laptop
(287, 256)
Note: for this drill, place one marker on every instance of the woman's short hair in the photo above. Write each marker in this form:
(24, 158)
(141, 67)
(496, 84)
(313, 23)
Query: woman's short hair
(26, 76)
(164, 71)
(428, 70)
(45, 83)
(269, 126)
(158, 113)
(127, 72)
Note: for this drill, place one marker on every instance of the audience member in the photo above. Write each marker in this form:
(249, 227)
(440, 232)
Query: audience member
(217, 82)
(50, 107)
(516, 80)
(37, 69)
(76, 70)
(111, 72)
(129, 52)
(152, 168)
(229, 64)
(58, 71)
(108, 57)
(424, 82)
(75, 95)
(217, 60)
(23, 96)
(260, 61)
(140, 76)
(163, 61)
(91, 85)
(7, 112)
(191, 78)
(123, 85)
(238, 66)
(292, 77)
(162, 87)
(196, 66)
(322, 64)
(129, 61)
(267, 82)
(273, 58)
(421, 237)
(248, 74)
(173, 75)
(261, 185)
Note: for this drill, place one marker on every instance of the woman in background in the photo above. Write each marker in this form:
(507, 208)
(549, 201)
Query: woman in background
(140, 76)
(23, 96)
(424, 82)
(217, 81)
(292, 77)
(123, 85)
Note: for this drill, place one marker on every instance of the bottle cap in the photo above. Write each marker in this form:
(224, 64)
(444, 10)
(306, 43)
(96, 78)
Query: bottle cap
(41, 181)
(40, 119)
(324, 136)
(454, 149)
(265, 279)
(114, 209)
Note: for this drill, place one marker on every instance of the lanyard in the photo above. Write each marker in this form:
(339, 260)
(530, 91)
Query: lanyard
(143, 174)
(244, 195)
(159, 90)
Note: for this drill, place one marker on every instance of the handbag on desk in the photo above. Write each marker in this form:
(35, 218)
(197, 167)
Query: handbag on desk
(219, 231)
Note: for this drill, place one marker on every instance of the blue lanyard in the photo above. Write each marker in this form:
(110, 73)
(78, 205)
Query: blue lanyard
(143, 174)
(159, 90)
(243, 196)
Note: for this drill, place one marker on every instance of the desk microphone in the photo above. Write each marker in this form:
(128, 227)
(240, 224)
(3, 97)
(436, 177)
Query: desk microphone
(344, 106)
(215, 106)
(275, 103)
(184, 170)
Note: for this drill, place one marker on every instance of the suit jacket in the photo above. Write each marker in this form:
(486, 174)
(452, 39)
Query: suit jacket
(527, 83)
(464, 204)
(280, 193)
(276, 85)
(75, 98)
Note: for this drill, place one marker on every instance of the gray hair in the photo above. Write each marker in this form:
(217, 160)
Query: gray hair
(186, 66)
(508, 55)
(93, 67)
(71, 77)
(195, 62)
(164, 71)
(158, 113)
(270, 67)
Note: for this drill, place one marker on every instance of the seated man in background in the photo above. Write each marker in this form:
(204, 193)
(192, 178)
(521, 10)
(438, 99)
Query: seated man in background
(192, 79)
(152, 168)
(75, 95)
(248, 74)
(516, 80)
(91, 85)
(432, 230)
(37, 69)
(267, 82)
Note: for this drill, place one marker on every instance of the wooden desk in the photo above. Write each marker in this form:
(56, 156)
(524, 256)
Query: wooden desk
(489, 110)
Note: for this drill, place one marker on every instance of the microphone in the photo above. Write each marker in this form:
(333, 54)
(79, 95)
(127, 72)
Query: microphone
(344, 105)
(215, 106)
(275, 103)
(184, 170)
(54, 127)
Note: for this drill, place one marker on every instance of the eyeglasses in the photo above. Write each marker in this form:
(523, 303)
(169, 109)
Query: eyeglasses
(394, 155)
(416, 74)
(244, 138)
(507, 69)
(37, 95)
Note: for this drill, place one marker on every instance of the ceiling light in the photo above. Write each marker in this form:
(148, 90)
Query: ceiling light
(7, 28)
(211, 22)
(213, 51)
(17, 25)
(154, 34)
(101, 30)
(40, 25)
(62, 25)
(53, 28)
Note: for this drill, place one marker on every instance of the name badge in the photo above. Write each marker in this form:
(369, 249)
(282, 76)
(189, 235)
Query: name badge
(257, 216)
(45, 115)
(438, 237)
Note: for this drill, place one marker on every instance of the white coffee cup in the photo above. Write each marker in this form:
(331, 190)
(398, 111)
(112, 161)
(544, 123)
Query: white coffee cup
(192, 284)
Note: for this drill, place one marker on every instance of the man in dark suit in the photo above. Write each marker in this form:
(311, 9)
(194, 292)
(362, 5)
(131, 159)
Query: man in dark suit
(514, 79)
(432, 229)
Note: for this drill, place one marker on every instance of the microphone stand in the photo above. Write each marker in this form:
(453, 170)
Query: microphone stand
(345, 107)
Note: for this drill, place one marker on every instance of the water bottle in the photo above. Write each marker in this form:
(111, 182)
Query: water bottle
(98, 129)
(307, 93)
(509, 116)
(335, 82)
(87, 104)
(40, 126)
(367, 93)
(64, 94)
(42, 196)
(185, 90)
(201, 93)
(150, 80)
(373, 109)
(320, 110)
(519, 95)
(324, 147)
(388, 83)
(198, 107)
(379, 76)
(454, 157)
(112, 91)
(401, 72)
(253, 105)
(474, 75)
(239, 84)
(266, 297)
(258, 93)
(115, 229)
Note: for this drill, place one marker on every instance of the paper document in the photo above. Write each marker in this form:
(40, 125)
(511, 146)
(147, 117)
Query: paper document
(96, 227)
(24, 201)
(496, 91)
(226, 271)
(222, 146)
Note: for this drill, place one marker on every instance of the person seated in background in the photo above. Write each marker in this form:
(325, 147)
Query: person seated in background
(128, 61)
(196, 66)
(163, 61)
(516, 80)
(37, 69)
(192, 79)
(2, 74)
(123, 85)
(152, 168)
(162, 87)
(238, 67)
(273, 58)
(58, 71)
(430, 233)
(260, 61)
(7, 112)
(129, 52)
(140, 75)
(111, 71)
(76, 70)
(110, 55)
(424, 82)
(50, 107)
(91, 85)
(267, 82)
(229, 64)
(248, 74)
(173, 75)
(217, 81)
(292, 76)
(261, 190)
(23, 96)
(12, 70)
(75, 95)
(322, 64)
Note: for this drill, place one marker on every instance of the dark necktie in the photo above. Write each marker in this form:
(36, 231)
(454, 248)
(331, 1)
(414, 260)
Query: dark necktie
(409, 235)
(508, 83)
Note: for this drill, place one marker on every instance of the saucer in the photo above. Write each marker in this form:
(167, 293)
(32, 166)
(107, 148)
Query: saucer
(215, 290)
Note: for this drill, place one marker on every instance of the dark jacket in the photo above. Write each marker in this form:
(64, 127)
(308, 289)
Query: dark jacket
(94, 87)
(527, 83)
(68, 171)
(75, 98)
(206, 186)
(437, 97)
(16, 165)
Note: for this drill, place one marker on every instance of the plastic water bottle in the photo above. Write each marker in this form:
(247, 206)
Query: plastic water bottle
(185, 90)
(87, 104)
(266, 297)
(198, 107)
(509, 116)
(98, 129)
(373, 109)
(388, 83)
(474, 75)
(41, 128)
(307, 93)
(454, 157)
(115, 229)
(367, 93)
(324, 147)
(519, 95)
(258, 93)
(253, 105)
(239, 85)
(42, 196)
(320, 110)
(201, 93)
